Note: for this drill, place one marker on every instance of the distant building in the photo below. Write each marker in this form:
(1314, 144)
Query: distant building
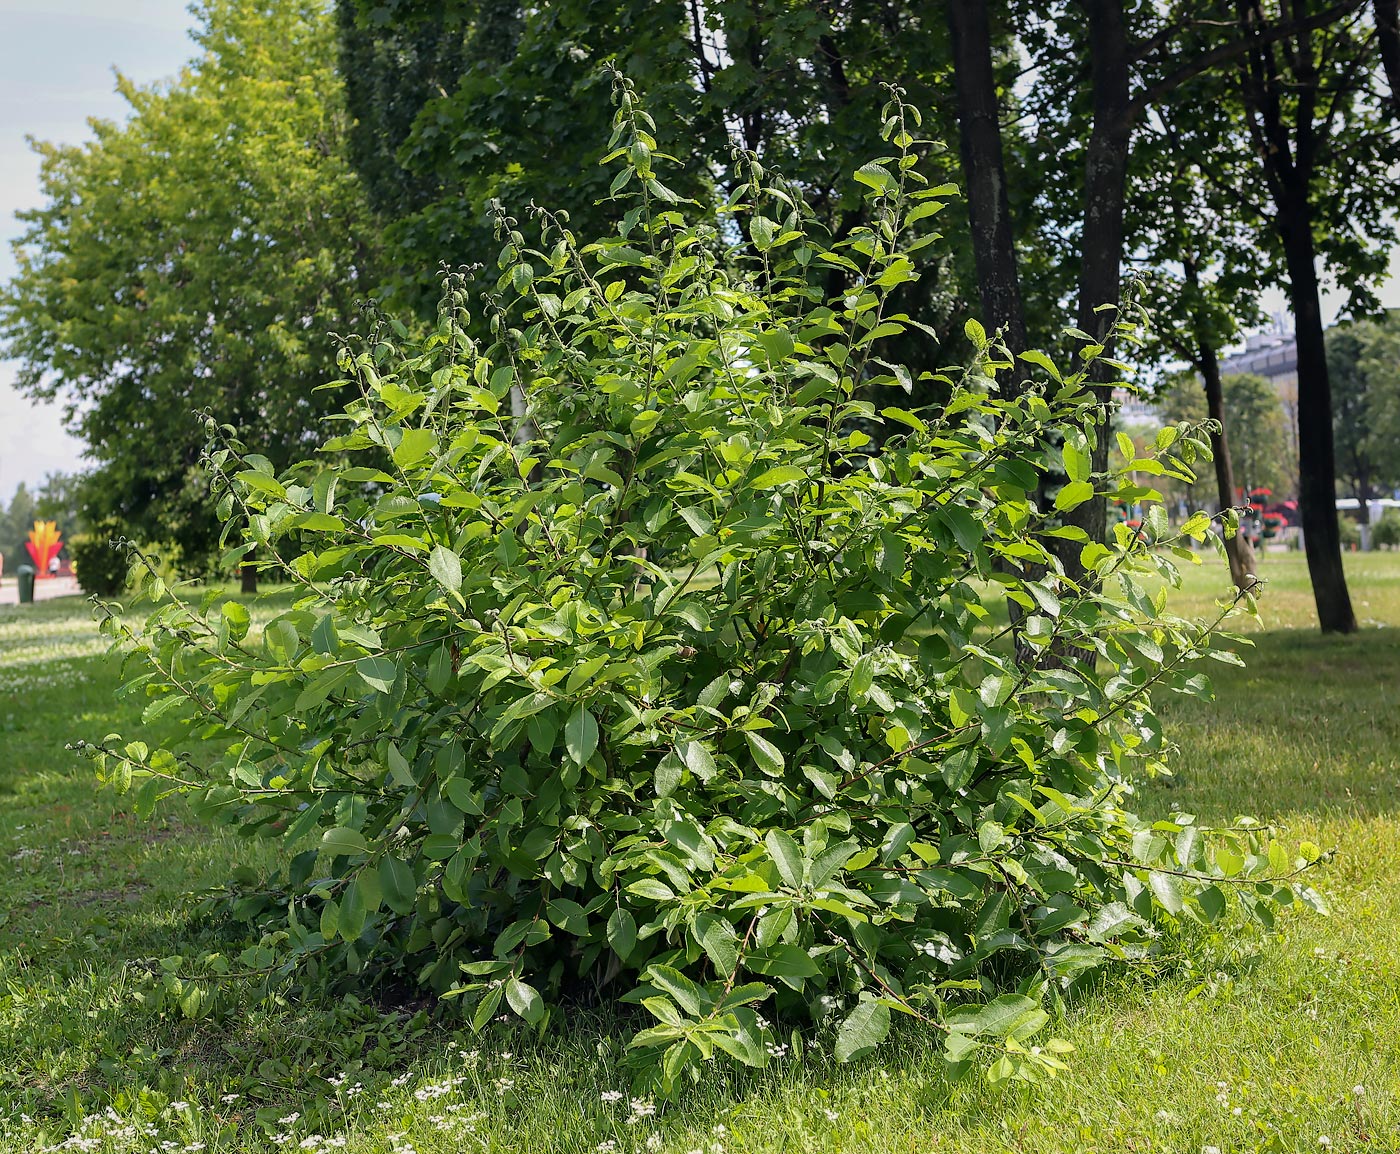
(1273, 356)
(1136, 408)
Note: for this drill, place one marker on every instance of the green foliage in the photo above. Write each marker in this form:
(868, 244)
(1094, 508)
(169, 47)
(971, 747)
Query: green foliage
(141, 297)
(99, 562)
(1363, 361)
(1258, 436)
(1385, 533)
(460, 104)
(15, 523)
(1349, 530)
(621, 664)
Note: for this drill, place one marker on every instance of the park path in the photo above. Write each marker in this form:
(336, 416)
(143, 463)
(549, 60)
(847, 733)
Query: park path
(45, 590)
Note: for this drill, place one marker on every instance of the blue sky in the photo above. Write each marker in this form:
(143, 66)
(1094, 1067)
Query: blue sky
(56, 71)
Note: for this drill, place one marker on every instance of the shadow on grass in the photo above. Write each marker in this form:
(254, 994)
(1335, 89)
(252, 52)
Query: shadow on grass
(1310, 727)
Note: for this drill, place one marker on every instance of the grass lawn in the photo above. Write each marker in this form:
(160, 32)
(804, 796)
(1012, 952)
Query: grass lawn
(1289, 1043)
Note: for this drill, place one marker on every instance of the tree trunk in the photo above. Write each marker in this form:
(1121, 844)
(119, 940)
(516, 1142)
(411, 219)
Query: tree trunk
(248, 578)
(1105, 187)
(989, 215)
(1388, 38)
(1237, 548)
(1317, 470)
(984, 172)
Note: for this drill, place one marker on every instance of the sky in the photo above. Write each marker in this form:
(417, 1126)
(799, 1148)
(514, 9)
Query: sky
(56, 71)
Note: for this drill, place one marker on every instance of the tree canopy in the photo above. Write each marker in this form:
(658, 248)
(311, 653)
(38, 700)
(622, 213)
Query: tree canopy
(1364, 360)
(196, 257)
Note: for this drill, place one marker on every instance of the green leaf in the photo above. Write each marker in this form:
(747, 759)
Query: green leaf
(652, 889)
(524, 1000)
(1041, 361)
(718, 939)
(697, 758)
(876, 176)
(1073, 495)
(1113, 920)
(862, 678)
(568, 915)
(399, 768)
(398, 883)
(622, 933)
(785, 855)
(446, 568)
(779, 475)
(415, 445)
(1011, 1015)
(581, 735)
(378, 672)
(343, 841)
(790, 963)
(1167, 890)
(690, 997)
(1076, 461)
(865, 1028)
(669, 771)
(767, 755)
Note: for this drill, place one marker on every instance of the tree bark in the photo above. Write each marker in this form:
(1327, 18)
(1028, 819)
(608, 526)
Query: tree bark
(248, 578)
(1388, 39)
(1105, 190)
(1237, 548)
(1317, 468)
(984, 171)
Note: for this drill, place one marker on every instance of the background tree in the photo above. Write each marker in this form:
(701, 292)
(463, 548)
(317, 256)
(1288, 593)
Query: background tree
(1363, 360)
(1102, 67)
(1325, 150)
(60, 499)
(1259, 444)
(1202, 271)
(523, 117)
(15, 522)
(196, 257)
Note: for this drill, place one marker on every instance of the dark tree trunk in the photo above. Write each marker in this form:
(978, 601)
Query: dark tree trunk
(984, 171)
(1237, 548)
(248, 578)
(1105, 189)
(1317, 469)
(1287, 139)
(1388, 38)
(989, 211)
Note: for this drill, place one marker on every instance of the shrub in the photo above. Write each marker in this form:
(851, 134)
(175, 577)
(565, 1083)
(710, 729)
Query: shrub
(1349, 529)
(99, 563)
(624, 662)
(1385, 533)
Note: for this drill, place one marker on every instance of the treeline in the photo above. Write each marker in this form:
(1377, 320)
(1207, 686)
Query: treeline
(1186, 155)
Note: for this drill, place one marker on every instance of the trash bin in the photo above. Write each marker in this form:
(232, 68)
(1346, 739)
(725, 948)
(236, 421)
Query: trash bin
(24, 576)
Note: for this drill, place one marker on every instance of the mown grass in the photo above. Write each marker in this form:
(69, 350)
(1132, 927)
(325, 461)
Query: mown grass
(1274, 1044)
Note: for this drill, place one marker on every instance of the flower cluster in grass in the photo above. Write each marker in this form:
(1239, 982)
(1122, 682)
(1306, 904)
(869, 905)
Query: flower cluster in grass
(453, 1108)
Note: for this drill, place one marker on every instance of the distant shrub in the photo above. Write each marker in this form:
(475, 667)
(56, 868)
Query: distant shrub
(1385, 533)
(100, 566)
(624, 664)
(1349, 530)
